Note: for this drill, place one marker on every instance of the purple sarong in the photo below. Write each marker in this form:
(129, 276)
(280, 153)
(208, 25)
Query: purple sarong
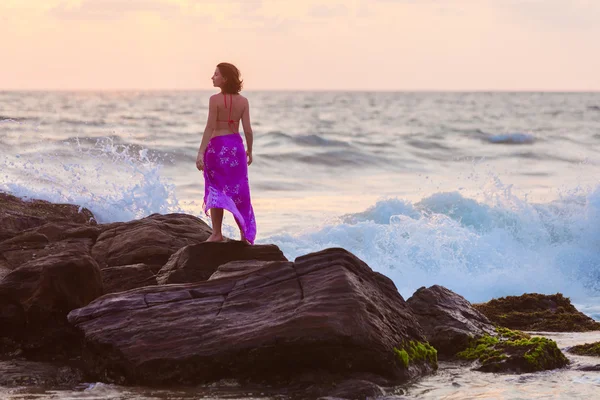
(226, 181)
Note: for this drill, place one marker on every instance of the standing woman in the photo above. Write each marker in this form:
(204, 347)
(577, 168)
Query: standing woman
(223, 158)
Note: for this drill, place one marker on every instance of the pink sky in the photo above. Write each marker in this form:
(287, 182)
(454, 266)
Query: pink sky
(302, 44)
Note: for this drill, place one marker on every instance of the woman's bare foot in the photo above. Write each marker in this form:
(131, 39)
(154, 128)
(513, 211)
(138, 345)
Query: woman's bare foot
(215, 238)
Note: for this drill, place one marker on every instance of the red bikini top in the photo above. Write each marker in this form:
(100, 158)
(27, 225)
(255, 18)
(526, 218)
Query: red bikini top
(229, 121)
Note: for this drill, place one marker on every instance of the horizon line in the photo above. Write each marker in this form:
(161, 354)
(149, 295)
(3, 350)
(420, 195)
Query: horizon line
(310, 90)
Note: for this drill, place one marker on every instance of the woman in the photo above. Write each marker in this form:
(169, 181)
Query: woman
(222, 156)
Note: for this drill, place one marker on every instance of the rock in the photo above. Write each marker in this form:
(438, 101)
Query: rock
(20, 249)
(18, 215)
(9, 348)
(29, 373)
(198, 262)
(537, 312)
(327, 314)
(237, 268)
(357, 389)
(3, 272)
(151, 240)
(590, 368)
(29, 244)
(126, 277)
(36, 297)
(449, 321)
(55, 232)
(514, 352)
(13, 321)
(588, 349)
(33, 245)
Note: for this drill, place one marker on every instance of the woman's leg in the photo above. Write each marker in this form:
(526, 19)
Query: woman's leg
(216, 216)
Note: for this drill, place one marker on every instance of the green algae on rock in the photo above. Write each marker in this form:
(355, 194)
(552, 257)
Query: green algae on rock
(514, 351)
(417, 352)
(537, 312)
(588, 349)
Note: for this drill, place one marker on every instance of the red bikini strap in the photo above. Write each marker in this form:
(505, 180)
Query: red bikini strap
(229, 120)
(230, 108)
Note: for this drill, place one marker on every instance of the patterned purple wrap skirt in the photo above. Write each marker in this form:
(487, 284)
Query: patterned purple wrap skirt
(226, 181)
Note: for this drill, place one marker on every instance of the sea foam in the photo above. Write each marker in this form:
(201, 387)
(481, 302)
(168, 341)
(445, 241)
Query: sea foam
(494, 246)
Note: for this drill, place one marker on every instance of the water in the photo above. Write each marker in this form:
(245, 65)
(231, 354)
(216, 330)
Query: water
(488, 194)
(454, 382)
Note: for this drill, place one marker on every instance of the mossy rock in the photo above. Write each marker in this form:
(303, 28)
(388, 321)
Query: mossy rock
(514, 351)
(537, 312)
(588, 349)
(416, 352)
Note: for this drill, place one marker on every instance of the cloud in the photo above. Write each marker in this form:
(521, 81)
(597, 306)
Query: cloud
(323, 11)
(436, 7)
(554, 14)
(243, 7)
(420, 2)
(251, 6)
(114, 9)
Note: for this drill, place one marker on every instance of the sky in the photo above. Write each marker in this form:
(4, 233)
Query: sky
(446, 45)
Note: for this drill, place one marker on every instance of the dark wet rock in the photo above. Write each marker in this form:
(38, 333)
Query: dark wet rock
(357, 389)
(30, 373)
(39, 242)
(13, 319)
(590, 368)
(537, 312)
(36, 297)
(3, 272)
(151, 240)
(55, 232)
(327, 314)
(449, 321)
(32, 246)
(588, 349)
(514, 352)
(21, 248)
(18, 215)
(198, 262)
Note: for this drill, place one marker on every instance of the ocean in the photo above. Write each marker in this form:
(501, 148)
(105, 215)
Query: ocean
(488, 194)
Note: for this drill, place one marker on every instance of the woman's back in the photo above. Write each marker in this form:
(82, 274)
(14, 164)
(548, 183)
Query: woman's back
(230, 110)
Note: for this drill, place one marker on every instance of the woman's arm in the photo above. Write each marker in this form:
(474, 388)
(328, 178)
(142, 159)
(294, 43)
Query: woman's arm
(208, 131)
(247, 131)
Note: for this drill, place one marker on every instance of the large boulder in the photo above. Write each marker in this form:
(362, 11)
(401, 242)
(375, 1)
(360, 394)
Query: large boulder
(449, 321)
(41, 241)
(198, 262)
(151, 240)
(28, 226)
(537, 312)
(130, 254)
(18, 215)
(36, 297)
(327, 314)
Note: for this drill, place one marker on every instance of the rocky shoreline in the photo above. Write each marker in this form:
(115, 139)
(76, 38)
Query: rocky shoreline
(148, 302)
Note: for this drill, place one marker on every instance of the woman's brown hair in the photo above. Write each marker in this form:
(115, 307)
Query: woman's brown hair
(234, 84)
